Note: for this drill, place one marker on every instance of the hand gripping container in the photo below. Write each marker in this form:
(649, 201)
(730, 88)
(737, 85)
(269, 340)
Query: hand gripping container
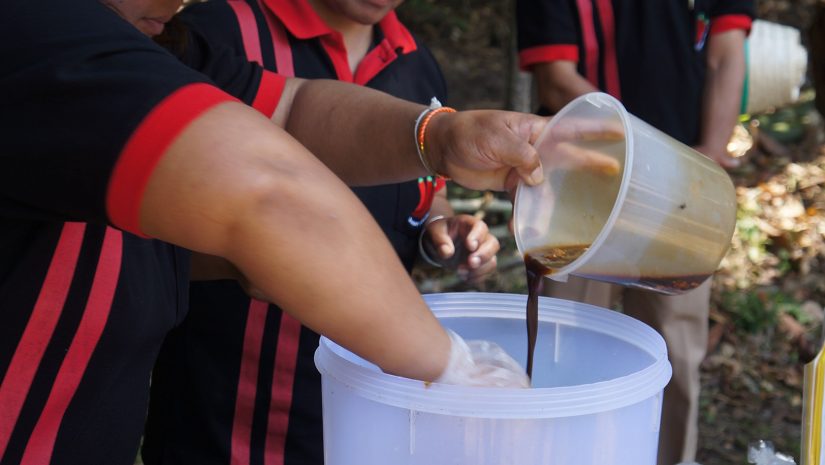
(596, 400)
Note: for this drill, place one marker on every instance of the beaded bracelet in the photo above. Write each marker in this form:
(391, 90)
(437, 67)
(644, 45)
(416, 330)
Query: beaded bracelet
(420, 131)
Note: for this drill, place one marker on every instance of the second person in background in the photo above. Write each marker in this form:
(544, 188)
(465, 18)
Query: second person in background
(236, 381)
(679, 65)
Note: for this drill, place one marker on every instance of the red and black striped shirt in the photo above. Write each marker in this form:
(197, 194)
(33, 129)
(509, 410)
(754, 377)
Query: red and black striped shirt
(236, 382)
(89, 106)
(649, 54)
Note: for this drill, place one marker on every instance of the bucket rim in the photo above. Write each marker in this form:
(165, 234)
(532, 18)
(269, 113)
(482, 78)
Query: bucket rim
(500, 403)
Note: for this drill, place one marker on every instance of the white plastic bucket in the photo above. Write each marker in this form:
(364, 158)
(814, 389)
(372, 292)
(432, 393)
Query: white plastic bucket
(598, 378)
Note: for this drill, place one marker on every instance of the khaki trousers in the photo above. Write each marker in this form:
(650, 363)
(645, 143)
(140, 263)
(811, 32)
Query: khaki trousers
(683, 323)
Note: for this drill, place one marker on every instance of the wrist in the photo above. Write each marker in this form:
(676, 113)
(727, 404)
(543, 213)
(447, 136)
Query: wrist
(437, 143)
(427, 138)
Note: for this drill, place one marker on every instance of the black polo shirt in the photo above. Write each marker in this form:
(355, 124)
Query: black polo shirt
(648, 53)
(236, 382)
(87, 107)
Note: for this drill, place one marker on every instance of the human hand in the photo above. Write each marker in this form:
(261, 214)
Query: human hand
(720, 156)
(488, 149)
(462, 243)
(481, 363)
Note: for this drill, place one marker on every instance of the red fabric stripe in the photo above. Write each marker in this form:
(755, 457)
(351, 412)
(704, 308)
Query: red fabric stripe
(271, 86)
(374, 62)
(283, 378)
(280, 43)
(609, 34)
(534, 55)
(249, 30)
(248, 383)
(422, 207)
(334, 46)
(98, 307)
(725, 23)
(440, 183)
(269, 93)
(39, 329)
(591, 42)
(147, 145)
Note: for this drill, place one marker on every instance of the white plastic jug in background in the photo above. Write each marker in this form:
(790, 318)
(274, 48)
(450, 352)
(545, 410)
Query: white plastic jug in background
(663, 223)
(596, 400)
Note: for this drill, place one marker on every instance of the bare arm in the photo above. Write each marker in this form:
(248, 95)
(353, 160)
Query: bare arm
(366, 137)
(722, 94)
(232, 185)
(558, 82)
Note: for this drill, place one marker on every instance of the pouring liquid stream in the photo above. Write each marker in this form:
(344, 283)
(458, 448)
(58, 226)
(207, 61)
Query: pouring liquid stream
(539, 263)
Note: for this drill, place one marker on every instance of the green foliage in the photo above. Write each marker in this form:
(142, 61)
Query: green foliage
(757, 310)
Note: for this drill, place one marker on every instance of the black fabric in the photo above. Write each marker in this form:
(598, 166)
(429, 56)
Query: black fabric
(72, 92)
(196, 380)
(75, 82)
(661, 62)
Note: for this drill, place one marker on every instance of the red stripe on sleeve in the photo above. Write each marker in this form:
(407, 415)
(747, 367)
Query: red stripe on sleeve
(249, 30)
(719, 24)
(534, 55)
(283, 51)
(98, 307)
(248, 383)
(283, 378)
(610, 63)
(591, 42)
(269, 93)
(147, 145)
(39, 329)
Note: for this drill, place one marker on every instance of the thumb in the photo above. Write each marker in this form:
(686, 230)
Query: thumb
(440, 240)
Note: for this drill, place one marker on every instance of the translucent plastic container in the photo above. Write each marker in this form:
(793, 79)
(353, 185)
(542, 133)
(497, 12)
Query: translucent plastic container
(663, 223)
(598, 380)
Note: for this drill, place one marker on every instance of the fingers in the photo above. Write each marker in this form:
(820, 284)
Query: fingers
(570, 156)
(726, 161)
(483, 260)
(516, 152)
(578, 130)
(438, 233)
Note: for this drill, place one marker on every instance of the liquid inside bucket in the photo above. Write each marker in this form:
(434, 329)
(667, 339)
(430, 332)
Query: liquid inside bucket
(598, 379)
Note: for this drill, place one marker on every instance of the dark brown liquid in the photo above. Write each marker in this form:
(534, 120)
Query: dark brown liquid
(670, 285)
(539, 263)
(545, 261)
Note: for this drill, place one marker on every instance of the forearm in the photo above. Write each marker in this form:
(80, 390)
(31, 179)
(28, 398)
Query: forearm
(364, 136)
(722, 95)
(558, 83)
(367, 137)
(234, 186)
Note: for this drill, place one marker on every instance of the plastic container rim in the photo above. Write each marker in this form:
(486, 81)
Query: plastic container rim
(551, 402)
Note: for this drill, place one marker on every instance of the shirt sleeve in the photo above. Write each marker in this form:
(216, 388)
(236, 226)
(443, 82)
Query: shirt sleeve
(547, 31)
(89, 106)
(215, 47)
(726, 15)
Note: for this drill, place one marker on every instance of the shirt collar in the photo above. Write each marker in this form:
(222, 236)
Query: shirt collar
(303, 23)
